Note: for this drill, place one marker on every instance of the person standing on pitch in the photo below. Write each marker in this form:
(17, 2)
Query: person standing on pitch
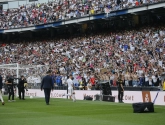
(120, 82)
(71, 93)
(1, 90)
(21, 87)
(9, 83)
(47, 85)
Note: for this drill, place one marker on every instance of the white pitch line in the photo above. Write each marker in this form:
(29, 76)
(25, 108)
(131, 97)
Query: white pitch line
(62, 111)
(17, 113)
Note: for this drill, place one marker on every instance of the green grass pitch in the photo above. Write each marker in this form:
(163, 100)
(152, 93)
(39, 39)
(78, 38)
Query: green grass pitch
(65, 112)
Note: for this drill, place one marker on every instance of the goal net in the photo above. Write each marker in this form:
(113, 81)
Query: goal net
(32, 73)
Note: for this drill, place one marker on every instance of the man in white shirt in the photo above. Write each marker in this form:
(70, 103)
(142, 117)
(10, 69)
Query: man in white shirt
(71, 93)
(154, 79)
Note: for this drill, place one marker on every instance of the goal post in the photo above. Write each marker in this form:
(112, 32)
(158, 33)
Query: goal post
(18, 67)
(16, 70)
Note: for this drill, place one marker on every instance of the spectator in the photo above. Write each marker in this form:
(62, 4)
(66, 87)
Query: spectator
(92, 80)
(42, 13)
(58, 80)
(126, 52)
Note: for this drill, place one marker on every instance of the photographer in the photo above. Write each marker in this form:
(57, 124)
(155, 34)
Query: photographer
(10, 85)
(21, 87)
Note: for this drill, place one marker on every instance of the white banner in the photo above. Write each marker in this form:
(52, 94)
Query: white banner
(129, 96)
(39, 93)
(160, 98)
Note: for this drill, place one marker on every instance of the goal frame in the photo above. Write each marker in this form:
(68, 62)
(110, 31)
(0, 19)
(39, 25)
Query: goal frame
(18, 66)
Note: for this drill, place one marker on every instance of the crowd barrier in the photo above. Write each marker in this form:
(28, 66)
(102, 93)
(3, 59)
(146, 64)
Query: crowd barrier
(129, 96)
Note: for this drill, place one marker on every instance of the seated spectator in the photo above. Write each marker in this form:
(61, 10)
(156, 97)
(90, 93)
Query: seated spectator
(128, 53)
(35, 14)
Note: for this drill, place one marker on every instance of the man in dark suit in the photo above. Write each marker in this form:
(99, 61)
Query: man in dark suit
(1, 98)
(21, 87)
(47, 85)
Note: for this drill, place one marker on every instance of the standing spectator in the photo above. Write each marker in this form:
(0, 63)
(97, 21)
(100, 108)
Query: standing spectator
(142, 80)
(157, 82)
(54, 78)
(84, 83)
(154, 79)
(115, 79)
(163, 85)
(1, 98)
(47, 85)
(146, 79)
(59, 80)
(92, 80)
(111, 78)
(135, 79)
(75, 80)
(64, 79)
(89, 86)
(130, 79)
(150, 81)
(126, 79)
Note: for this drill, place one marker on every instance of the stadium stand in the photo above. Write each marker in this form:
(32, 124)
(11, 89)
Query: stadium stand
(98, 48)
(41, 13)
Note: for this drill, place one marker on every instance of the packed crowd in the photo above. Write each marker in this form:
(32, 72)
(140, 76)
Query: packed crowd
(41, 13)
(138, 54)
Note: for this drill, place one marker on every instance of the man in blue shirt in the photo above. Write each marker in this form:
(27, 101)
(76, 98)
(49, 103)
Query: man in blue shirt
(125, 46)
(142, 80)
(59, 80)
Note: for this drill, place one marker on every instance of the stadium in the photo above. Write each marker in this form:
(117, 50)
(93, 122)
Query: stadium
(105, 45)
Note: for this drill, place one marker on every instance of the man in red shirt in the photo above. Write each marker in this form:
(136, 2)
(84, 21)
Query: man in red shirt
(92, 80)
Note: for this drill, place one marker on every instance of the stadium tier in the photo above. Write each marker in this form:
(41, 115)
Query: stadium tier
(93, 48)
(23, 14)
